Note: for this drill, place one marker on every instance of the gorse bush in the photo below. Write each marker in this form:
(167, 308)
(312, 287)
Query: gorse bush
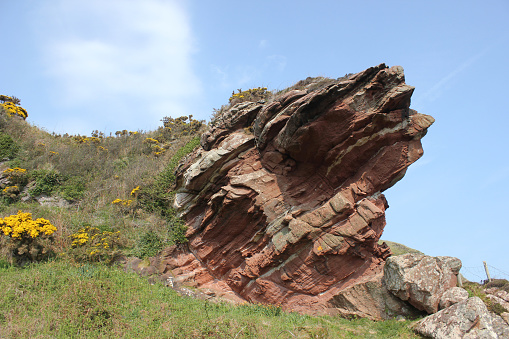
(28, 240)
(12, 109)
(92, 244)
(253, 94)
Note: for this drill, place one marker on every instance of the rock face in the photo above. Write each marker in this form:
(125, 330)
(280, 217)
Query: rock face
(420, 279)
(284, 199)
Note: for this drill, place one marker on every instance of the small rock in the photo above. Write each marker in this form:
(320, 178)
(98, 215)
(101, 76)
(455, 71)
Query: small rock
(52, 201)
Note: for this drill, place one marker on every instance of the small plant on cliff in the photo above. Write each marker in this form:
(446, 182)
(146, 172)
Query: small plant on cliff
(253, 94)
(157, 196)
(27, 239)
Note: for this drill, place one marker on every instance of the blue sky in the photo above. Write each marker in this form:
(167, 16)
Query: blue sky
(110, 65)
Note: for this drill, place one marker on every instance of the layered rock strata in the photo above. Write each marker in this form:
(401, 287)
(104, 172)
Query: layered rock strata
(283, 200)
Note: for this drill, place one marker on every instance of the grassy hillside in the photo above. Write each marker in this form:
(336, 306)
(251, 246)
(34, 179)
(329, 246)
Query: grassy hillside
(71, 205)
(66, 300)
(399, 249)
(120, 183)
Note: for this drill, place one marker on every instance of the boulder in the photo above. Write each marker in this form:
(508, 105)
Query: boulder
(421, 279)
(467, 319)
(452, 296)
(369, 298)
(283, 200)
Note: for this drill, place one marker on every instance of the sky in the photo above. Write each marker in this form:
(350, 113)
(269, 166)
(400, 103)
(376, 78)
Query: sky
(79, 66)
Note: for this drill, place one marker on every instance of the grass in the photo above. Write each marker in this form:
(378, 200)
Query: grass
(399, 249)
(61, 299)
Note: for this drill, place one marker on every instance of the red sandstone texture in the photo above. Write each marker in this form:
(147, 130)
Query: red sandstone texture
(284, 199)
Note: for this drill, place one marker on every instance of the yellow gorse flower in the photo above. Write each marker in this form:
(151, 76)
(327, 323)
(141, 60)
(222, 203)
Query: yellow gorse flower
(15, 170)
(151, 141)
(10, 189)
(135, 190)
(21, 225)
(12, 110)
(122, 202)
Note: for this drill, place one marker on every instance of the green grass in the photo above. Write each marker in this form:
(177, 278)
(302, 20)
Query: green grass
(399, 249)
(60, 299)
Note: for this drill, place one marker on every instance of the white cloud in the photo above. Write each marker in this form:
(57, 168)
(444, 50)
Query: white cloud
(263, 44)
(104, 55)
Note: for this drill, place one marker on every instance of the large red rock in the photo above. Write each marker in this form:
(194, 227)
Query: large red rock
(284, 199)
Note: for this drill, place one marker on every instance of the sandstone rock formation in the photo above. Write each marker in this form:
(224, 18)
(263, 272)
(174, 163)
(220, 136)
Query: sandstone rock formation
(420, 279)
(284, 199)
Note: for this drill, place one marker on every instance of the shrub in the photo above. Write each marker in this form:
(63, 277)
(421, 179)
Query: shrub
(177, 227)
(13, 110)
(8, 148)
(73, 188)
(16, 175)
(92, 244)
(157, 196)
(178, 127)
(502, 284)
(148, 245)
(253, 94)
(46, 181)
(28, 240)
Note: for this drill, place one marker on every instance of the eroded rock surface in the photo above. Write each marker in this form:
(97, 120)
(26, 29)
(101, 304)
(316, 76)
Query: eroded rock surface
(284, 199)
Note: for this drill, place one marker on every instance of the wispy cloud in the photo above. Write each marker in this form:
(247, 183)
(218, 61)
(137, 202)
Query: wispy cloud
(131, 55)
(434, 92)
